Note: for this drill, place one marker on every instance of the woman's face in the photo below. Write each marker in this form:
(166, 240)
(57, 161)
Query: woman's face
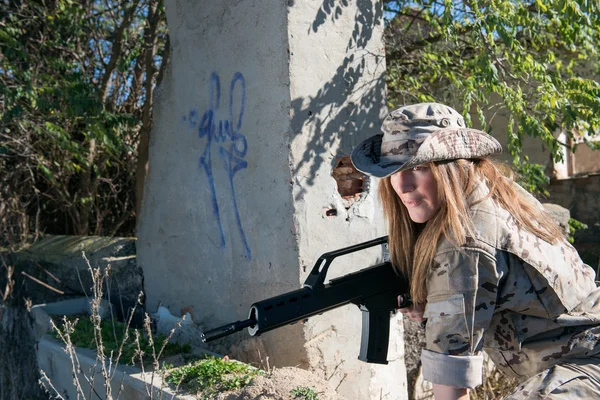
(418, 190)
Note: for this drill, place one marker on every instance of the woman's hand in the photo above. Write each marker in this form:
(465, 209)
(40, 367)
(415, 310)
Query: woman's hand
(414, 311)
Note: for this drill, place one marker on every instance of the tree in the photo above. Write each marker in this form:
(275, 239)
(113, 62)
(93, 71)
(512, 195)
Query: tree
(76, 82)
(19, 371)
(533, 60)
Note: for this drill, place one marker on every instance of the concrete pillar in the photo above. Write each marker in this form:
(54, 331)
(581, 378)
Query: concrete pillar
(258, 108)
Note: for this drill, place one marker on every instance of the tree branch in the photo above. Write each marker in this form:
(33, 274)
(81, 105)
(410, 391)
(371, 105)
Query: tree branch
(116, 49)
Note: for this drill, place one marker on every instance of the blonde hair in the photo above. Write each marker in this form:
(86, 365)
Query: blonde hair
(411, 252)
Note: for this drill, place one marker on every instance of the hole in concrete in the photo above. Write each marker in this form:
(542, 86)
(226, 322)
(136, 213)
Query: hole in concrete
(332, 212)
(350, 182)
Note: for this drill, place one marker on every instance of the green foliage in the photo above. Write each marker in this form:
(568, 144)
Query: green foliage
(532, 63)
(211, 375)
(304, 393)
(70, 119)
(574, 226)
(532, 177)
(113, 334)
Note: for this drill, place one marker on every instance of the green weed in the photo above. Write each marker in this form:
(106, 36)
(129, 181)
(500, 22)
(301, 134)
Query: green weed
(304, 393)
(574, 226)
(113, 334)
(211, 375)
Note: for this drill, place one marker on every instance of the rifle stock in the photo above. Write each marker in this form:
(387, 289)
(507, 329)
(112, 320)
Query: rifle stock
(374, 290)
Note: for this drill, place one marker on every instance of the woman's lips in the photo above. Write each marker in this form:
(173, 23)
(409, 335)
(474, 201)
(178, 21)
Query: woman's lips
(412, 203)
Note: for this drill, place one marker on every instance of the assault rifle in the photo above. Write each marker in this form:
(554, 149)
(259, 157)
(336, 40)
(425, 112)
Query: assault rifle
(374, 290)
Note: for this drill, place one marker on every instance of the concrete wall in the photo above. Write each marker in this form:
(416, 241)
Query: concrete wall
(586, 159)
(260, 101)
(337, 66)
(128, 382)
(580, 196)
(216, 228)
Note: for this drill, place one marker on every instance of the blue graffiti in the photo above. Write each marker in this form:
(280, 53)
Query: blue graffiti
(232, 144)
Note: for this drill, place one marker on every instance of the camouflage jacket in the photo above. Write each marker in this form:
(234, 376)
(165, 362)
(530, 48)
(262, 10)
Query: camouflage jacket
(528, 303)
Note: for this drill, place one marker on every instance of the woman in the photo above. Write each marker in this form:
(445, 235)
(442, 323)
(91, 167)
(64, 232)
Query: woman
(489, 268)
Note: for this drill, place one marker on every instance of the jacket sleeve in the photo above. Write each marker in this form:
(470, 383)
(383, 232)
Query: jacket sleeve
(461, 296)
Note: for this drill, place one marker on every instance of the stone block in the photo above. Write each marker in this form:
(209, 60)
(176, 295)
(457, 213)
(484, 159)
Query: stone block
(42, 313)
(58, 265)
(560, 215)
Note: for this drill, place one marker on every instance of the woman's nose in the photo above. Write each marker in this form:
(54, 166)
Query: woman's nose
(408, 187)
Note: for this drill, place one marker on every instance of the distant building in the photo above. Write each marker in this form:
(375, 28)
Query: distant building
(585, 160)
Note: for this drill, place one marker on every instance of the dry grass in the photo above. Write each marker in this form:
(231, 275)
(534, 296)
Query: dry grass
(108, 359)
(495, 385)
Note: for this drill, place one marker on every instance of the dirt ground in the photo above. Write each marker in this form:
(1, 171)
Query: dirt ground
(278, 386)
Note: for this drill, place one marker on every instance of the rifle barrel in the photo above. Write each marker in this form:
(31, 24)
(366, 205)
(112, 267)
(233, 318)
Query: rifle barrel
(227, 330)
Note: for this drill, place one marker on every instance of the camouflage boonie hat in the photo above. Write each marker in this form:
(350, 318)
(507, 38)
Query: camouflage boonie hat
(418, 134)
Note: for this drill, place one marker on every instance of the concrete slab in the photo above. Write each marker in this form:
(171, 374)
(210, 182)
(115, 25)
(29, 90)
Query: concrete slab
(126, 383)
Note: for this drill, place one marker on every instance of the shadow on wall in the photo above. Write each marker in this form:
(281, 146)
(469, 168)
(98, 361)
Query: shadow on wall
(312, 116)
(346, 108)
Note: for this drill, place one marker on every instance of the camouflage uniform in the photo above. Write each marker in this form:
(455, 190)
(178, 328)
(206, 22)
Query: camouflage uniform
(528, 303)
(532, 306)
